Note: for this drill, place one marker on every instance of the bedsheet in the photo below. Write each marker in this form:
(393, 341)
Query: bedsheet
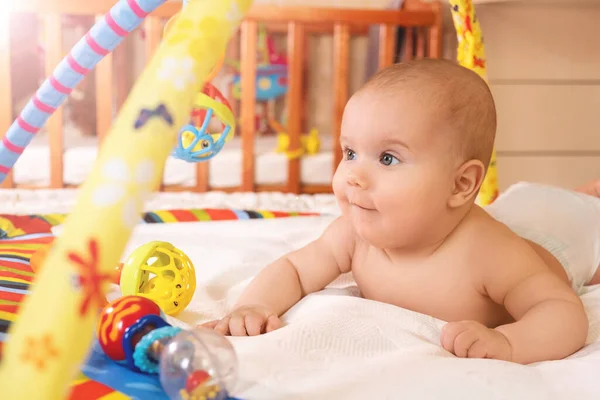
(336, 345)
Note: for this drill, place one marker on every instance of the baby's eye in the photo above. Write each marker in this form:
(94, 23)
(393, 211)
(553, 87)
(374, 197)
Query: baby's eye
(388, 159)
(350, 154)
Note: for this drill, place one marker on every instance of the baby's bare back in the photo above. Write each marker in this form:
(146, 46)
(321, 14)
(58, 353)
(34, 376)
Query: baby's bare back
(450, 284)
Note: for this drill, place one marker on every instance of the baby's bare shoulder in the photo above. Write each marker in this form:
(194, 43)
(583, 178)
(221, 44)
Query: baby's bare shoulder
(496, 250)
(501, 258)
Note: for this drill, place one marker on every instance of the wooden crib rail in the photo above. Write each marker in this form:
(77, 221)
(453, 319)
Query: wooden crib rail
(422, 20)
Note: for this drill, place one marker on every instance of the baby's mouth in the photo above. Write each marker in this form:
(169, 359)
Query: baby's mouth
(361, 207)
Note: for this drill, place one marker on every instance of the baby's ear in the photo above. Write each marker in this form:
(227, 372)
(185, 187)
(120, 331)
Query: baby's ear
(467, 182)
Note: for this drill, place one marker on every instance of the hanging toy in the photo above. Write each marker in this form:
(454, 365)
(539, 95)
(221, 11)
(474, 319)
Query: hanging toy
(192, 365)
(197, 144)
(162, 273)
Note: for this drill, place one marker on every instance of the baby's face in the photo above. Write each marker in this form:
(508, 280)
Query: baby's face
(396, 172)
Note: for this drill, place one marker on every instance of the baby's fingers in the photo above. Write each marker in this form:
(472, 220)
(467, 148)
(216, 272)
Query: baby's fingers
(449, 333)
(479, 349)
(222, 326)
(254, 324)
(237, 326)
(464, 341)
(273, 323)
(210, 324)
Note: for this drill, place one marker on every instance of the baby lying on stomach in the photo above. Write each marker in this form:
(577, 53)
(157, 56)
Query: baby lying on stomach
(416, 141)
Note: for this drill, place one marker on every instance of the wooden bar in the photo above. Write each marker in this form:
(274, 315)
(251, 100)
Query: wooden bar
(202, 184)
(154, 32)
(435, 34)
(104, 96)
(124, 75)
(387, 45)
(263, 13)
(6, 117)
(248, 102)
(54, 56)
(202, 169)
(321, 28)
(296, 47)
(341, 72)
(420, 43)
(409, 43)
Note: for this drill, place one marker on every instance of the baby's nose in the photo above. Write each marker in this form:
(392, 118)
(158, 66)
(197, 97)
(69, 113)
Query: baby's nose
(356, 178)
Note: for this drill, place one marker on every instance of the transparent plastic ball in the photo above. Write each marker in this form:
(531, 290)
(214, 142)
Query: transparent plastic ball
(198, 363)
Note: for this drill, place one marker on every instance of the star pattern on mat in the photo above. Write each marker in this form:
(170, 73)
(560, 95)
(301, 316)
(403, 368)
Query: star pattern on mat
(89, 280)
(39, 351)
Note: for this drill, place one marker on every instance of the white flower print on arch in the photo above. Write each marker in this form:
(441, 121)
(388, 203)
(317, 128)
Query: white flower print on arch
(120, 180)
(234, 15)
(178, 71)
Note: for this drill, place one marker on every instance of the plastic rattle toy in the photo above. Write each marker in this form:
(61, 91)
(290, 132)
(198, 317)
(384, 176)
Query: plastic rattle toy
(161, 272)
(192, 365)
(197, 144)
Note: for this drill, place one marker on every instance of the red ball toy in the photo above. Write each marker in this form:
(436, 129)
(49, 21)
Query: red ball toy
(116, 317)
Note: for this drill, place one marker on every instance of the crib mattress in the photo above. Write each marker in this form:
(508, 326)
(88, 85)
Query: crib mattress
(33, 168)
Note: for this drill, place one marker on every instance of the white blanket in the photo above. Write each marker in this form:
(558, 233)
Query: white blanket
(336, 345)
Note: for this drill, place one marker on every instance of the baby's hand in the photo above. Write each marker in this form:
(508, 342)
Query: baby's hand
(246, 321)
(470, 339)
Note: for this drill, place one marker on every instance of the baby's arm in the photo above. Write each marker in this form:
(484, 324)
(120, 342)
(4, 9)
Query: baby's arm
(550, 319)
(284, 282)
(551, 322)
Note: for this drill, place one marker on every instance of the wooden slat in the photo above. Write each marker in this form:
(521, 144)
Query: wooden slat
(248, 101)
(154, 31)
(387, 45)
(341, 70)
(409, 41)
(296, 47)
(54, 55)
(6, 92)
(104, 96)
(202, 169)
(124, 77)
(202, 184)
(436, 32)
(420, 43)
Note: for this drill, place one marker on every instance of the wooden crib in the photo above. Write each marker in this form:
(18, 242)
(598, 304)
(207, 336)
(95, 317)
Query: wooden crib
(423, 38)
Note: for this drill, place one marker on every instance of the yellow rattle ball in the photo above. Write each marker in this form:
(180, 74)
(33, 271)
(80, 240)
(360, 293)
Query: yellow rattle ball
(161, 272)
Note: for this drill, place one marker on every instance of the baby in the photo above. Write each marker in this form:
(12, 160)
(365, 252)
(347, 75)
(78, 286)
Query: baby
(416, 141)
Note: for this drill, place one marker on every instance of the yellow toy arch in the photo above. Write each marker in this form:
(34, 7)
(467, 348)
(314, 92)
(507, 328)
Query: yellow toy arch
(471, 54)
(57, 321)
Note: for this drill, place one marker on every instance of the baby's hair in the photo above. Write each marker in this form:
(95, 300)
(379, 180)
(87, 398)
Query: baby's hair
(461, 96)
